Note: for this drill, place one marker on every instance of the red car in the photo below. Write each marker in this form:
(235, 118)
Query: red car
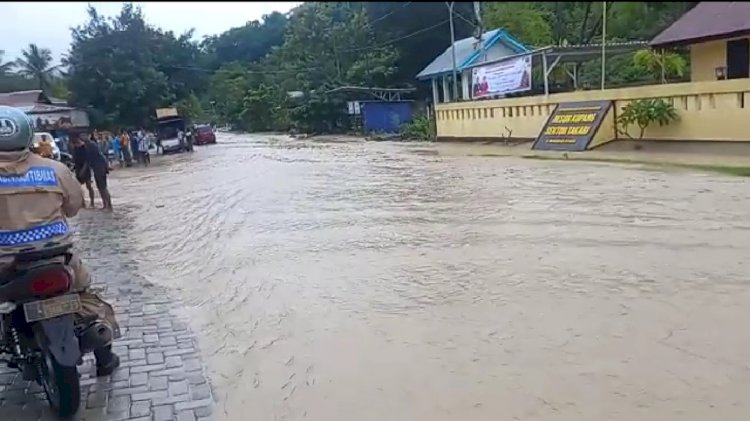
(204, 135)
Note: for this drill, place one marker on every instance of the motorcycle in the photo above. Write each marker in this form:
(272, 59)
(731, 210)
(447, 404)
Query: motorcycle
(67, 159)
(39, 330)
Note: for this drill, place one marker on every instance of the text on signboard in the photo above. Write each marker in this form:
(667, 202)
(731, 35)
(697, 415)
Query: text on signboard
(574, 118)
(567, 130)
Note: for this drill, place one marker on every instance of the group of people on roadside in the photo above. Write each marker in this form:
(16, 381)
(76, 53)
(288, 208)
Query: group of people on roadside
(126, 147)
(94, 154)
(188, 138)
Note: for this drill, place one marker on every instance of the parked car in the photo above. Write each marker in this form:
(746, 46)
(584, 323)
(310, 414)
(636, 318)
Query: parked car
(204, 135)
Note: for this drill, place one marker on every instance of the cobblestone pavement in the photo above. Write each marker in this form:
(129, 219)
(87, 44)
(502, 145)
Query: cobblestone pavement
(161, 377)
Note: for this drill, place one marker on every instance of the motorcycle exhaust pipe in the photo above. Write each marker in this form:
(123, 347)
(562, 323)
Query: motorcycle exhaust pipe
(96, 336)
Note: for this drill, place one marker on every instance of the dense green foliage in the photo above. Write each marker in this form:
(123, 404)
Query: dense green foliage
(125, 68)
(420, 128)
(122, 68)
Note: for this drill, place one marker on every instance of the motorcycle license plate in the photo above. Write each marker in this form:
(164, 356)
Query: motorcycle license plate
(54, 307)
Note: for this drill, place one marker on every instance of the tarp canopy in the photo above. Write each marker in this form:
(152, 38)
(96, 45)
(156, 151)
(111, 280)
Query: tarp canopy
(166, 112)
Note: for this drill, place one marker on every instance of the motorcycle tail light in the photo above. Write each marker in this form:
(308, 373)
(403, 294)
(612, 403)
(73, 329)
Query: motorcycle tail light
(50, 282)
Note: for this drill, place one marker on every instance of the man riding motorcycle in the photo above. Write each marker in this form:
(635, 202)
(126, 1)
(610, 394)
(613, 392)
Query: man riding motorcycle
(44, 148)
(37, 195)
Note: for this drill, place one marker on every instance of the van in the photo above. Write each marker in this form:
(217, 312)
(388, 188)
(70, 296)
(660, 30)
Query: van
(168, 129)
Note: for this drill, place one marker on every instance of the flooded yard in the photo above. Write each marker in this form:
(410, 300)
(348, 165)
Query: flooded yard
(379, 281)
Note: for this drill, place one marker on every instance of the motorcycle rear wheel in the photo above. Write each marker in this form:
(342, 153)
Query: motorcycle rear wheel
(61, 385)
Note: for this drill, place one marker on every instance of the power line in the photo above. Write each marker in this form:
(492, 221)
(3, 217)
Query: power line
(415, 33)
(455, 12)
(243, 71)
(384, 44)
(389, 13)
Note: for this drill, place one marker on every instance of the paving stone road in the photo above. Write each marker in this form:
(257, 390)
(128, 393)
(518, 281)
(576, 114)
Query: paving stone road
(161, 377)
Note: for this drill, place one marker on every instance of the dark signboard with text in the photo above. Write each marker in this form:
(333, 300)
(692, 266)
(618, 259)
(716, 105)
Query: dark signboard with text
(572, 126)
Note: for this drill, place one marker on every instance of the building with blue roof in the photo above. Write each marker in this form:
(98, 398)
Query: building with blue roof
(494, 45)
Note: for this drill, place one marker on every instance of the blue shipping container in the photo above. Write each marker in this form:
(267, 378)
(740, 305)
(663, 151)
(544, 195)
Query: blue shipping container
(386, 117)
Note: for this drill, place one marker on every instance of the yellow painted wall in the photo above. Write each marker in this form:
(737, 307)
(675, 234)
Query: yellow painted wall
(705, 58)
(709, 110)
(607, 131)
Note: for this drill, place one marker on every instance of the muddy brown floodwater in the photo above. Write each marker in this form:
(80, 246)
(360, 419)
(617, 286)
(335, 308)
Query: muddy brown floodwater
(378, 281)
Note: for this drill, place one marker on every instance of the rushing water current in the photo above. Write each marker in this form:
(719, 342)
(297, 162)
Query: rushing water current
(355, 281)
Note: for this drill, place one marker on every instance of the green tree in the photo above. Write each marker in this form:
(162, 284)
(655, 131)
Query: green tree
(527, 21)
(125, 68)
(248, 43)
(418, 31)
(58, 88)
(264, 109)
(6, 67)
(671, 65)
(191, 109)
(36, 63)
(330, 45)
(227, 91)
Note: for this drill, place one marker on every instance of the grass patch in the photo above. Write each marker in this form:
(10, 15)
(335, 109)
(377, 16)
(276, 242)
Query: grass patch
(721, 169)
(491, 155)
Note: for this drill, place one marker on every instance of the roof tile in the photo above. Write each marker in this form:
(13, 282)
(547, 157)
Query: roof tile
(465, 48)
(707, 20)
(20, 98)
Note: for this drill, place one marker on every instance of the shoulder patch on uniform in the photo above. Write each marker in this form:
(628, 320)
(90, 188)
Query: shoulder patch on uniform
(34, 177)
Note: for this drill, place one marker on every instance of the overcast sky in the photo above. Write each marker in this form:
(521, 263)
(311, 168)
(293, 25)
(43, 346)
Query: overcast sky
(48, 24)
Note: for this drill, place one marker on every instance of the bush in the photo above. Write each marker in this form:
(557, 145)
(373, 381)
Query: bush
(651, 62)
(420, 128)
(643, 113)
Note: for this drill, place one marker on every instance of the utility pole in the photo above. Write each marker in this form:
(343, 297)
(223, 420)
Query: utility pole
(453, 51)
(478, 14)
(604, 40)
(478, 30)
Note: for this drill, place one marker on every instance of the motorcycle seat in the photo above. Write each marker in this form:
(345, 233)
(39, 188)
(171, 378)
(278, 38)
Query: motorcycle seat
(46, 253)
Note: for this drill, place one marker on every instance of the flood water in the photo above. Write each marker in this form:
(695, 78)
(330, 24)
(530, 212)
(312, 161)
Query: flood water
(379, 281)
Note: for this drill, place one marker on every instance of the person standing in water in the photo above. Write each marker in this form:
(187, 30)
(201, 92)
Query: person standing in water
(125, 147)
(82, 171)
(143, 144)
(98, 167)
(189, 138)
